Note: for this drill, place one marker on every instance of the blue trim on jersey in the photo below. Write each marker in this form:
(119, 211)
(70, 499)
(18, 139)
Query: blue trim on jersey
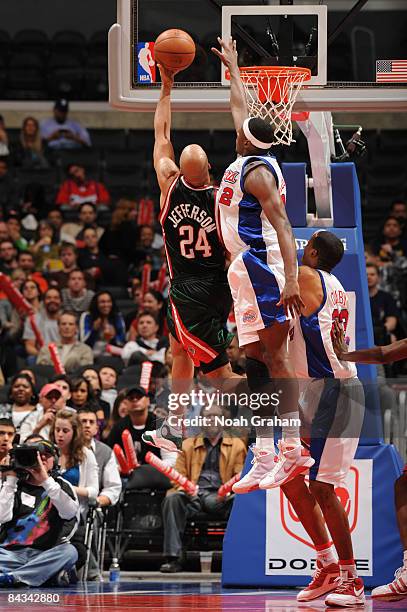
(322, 422)
(262, 158)
(319, 365)
(265, 286)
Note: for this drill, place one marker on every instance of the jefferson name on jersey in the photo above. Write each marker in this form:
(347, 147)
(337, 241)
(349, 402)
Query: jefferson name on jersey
(189, 211)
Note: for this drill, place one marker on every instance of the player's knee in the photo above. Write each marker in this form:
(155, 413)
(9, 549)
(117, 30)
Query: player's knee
(257, 374)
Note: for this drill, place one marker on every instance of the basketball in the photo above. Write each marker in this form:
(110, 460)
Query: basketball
(174, 49)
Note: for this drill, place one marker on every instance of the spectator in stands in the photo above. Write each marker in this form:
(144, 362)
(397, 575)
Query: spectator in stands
(69, 258)
(93, 377)
(108, 380)
(18, 277)
(384, 310)
(8, 256)
(10, 191)
(153, 303)
(26, 262)
(63, 382)
(21, 406)
(44, 248)
(38, 515)
(391, 244)
(14, 231)
(77, 462)
(56, 219)
(76, 296)
(236, 357)
(147, 340)
(136, 293)
(46, 320)
(110, 484)
(7, 433)
(4, 148)
(82, 395)
(3, 231)
(59, 132)
(146, 251)
(73, 354)
(28, 152)
(32, 293)
(51, 401)
(209, 460)
(398, 210)
(78, 189)
(87, 215)
(91, 260)
(120, 410)
(103, 323)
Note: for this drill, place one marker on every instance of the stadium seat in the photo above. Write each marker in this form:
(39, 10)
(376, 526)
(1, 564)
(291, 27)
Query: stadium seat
(70, 42)
(32, 41)
(87, 157)
(108, 139)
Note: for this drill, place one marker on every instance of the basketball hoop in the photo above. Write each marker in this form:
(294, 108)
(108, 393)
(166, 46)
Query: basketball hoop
(271, 92)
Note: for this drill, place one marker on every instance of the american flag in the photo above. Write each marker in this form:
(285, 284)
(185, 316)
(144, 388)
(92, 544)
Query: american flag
(391, 71)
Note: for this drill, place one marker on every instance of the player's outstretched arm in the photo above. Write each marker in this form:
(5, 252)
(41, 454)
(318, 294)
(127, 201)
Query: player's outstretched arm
(164, 163)
(375, 355)
(261, 184)
(238, 103)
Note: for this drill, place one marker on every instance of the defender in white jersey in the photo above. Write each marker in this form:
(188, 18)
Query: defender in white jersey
(263, 272)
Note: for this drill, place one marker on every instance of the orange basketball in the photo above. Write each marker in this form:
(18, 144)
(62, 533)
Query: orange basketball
(174, 49)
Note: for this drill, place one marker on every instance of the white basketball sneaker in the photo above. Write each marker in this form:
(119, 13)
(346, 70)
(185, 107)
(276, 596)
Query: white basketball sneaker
(394, 590)
(292, 461)
(263, 462)
(349, 592)
(323, 581)
(165, 437)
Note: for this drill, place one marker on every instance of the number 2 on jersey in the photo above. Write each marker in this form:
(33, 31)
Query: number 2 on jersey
(187, 246)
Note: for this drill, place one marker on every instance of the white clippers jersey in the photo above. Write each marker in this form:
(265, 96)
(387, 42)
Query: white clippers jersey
(243, 222)
(310, 345)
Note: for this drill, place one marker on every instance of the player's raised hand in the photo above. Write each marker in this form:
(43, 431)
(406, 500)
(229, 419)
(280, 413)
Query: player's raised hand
(167, 76)
(291, 299)
(228, 53)
(338, 339)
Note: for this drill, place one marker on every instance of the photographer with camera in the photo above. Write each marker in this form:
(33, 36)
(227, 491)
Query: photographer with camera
(7, 433)
(38, 515)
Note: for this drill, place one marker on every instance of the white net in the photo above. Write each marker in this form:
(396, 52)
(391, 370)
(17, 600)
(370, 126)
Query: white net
(271, 94)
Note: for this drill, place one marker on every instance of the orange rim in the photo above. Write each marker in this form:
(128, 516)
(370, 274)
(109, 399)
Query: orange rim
(277, 72)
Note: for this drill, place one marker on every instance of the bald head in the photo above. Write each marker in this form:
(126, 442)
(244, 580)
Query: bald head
(194, 165)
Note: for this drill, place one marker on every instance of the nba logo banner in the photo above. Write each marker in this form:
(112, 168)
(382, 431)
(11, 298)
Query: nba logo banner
(289, 549)
(145, 62)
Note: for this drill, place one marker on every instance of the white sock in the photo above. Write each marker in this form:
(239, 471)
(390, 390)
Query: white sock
(266, 444)
(291, 433)
(348, 570)
(326, 556)
(405, 559)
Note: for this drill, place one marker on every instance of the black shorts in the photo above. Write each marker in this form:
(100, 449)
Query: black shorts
(198, 310)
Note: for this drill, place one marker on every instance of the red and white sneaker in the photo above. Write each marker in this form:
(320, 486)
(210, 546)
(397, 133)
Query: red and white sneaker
(263, 462)
(291, 463)
(165, 438)
(323, 581)
(394, 591)
(348, 592)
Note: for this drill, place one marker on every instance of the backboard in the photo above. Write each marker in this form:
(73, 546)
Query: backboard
(339, 45)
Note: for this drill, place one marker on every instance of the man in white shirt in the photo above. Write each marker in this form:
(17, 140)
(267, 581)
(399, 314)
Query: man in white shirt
(46, 320)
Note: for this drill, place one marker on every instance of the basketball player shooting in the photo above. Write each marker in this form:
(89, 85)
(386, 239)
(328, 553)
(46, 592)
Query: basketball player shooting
(199, 297)
(263, 272)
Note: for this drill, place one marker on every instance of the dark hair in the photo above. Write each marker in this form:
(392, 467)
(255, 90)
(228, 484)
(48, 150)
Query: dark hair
(144, 313)
(115, 417)
(65, 378)
(53, 289)
(93, 307)
(34, 396)
(373, 265)
(70, 313)
(261, 129)
(31, 280)
(330, 250)
(25, 253)
(87, 408)
(395, 202)
(67, 245)
(90, 367)
(7, 423)
(76, 270)
(91, 401)
(70, 165)
(392, 218)
(91, 204)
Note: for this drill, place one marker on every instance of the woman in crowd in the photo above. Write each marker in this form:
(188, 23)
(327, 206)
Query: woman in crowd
(103, 324)
(108, 379)
(78, 463)
(28, 152)
(93, 377)
(31, 292)
(153, 303)
(22, 406)
(44, 248)
(119, 411)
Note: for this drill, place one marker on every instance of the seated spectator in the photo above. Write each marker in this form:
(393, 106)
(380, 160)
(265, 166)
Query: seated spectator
(10, 191)
(146, 251)
(4, 148)
(384, 310)
(21, 406)
(118, 238)
(25, 261)
(76, 296)
(82, 395)
(63, 382)
(87, 215)
(78, 189)
(7, 433)
(32, 293)
(137, 297)
(14, 231)
(119, 411)
(8, 256)
(146, 341)
(209, 460)
(153, 303)
(18, 278)
(69, 259)
(110, 484)
(3, 231)
(28, 152)
(46, 320)
(391, 243)
(77, 462)
(56, 219)
(73, 354)
(44, 248)
(38, 515)
(398, 210)
(108, 379)
(51, 401)
(93, 377)
(59, 132)
(91, 260)
(103, 324)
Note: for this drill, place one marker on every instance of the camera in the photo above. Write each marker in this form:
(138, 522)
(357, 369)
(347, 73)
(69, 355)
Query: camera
(24, 456)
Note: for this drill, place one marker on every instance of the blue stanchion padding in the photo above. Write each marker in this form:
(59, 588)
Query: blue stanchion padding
(244, 551)
(296, 201)
(345, 195)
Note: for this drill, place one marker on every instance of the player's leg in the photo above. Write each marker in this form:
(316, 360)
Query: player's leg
(397, 589)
